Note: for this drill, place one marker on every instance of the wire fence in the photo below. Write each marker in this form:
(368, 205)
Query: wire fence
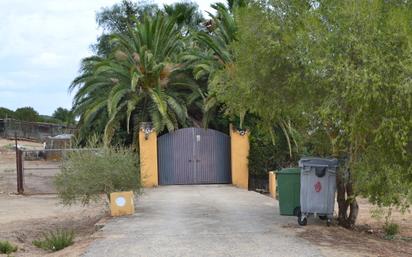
(36, 169)
(38, 131)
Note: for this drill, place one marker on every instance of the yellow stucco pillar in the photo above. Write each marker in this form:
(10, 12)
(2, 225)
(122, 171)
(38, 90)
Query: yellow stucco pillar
(272, 184)
(239, 148)
(148, 156)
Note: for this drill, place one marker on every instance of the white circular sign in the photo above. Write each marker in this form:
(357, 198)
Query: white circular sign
(120, 201)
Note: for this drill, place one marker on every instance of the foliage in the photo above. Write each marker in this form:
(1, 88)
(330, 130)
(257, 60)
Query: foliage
(55, 240)
(325, 78)
(61, 115)
(86, 174)
(211, 54)
(361, 60)
(336, 76)
(116, 19)
(260, 72)
(48, 119)
(6, 113)
(141, 80)
(7, 248)
(65, 116)
(26, 114)
(391, 229)
(186, 14)
(264, 156)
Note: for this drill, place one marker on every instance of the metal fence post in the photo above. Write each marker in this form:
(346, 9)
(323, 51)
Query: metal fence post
(20, 176)
(19, 167)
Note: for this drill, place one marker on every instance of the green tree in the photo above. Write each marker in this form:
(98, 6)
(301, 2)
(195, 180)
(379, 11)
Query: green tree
(140, 79)
(361, 58)
(339, 72)
(264, 72)
(210, 55)
(6, 113)
(26, 114)
(187, 16)
(64, 115)
(117, 18)
(128, 21)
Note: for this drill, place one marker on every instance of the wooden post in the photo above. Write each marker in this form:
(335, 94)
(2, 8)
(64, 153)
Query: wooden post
(19, 167)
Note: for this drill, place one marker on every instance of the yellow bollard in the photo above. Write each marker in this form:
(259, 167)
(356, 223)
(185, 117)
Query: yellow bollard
(272, 184)
(121, 203)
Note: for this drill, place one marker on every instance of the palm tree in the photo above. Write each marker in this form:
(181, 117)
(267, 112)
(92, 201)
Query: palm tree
(211, 55)
(213, 58)
(142, 78)
(187, 16)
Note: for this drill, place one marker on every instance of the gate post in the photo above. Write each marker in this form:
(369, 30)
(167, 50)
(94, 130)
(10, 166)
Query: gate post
(239, 152)
(148, 155)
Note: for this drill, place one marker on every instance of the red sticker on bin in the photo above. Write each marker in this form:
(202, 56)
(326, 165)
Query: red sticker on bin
(318, 187)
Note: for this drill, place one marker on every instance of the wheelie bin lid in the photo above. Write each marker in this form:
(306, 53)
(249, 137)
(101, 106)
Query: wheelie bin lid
(316, 162)
(289, 171)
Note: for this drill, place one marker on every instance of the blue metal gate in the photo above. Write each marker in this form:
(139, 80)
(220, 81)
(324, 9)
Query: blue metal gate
(194, 156)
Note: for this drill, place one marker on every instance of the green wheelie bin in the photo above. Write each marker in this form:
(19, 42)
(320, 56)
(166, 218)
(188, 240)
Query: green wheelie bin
(288, 186)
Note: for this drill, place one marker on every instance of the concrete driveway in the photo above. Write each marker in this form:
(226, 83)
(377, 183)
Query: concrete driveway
(204, 220)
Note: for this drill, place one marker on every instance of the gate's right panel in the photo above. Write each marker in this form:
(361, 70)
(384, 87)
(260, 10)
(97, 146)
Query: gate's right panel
(212, 155)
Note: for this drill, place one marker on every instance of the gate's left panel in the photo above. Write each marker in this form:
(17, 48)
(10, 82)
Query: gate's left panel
(175, 157)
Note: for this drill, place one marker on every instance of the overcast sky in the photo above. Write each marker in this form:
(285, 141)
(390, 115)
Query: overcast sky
(41, 45)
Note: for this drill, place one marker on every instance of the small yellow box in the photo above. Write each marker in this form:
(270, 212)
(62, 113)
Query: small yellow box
(121, 203)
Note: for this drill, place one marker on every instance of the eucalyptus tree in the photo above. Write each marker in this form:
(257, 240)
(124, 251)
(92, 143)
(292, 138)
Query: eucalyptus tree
(140, 78)
(361, 56)
(341, 70)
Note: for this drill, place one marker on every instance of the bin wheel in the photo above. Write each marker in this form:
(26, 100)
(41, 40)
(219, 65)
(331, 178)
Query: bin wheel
(302, 220)
(323, 217)
(328, 222)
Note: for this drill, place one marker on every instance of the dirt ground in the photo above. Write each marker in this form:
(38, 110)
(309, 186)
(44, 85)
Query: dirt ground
(24, 218)
(367, 238)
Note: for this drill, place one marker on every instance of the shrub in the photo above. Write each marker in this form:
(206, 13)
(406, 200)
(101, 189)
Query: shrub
(264, 155)
(87, 174)
(56, 240)
(391, 229)
(6, 247)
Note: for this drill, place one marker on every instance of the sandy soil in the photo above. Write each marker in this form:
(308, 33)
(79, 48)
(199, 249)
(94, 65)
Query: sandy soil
(9, 144)
(367, 239)
(24, 218)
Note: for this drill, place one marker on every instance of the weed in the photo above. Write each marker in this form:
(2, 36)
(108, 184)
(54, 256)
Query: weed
(85, 175)
(56, 240)
(6, 247)
(391, 229)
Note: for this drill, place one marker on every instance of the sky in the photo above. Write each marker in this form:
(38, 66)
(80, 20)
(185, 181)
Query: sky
(41, 45)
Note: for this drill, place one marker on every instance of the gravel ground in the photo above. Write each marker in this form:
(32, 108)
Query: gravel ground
(207, 220)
